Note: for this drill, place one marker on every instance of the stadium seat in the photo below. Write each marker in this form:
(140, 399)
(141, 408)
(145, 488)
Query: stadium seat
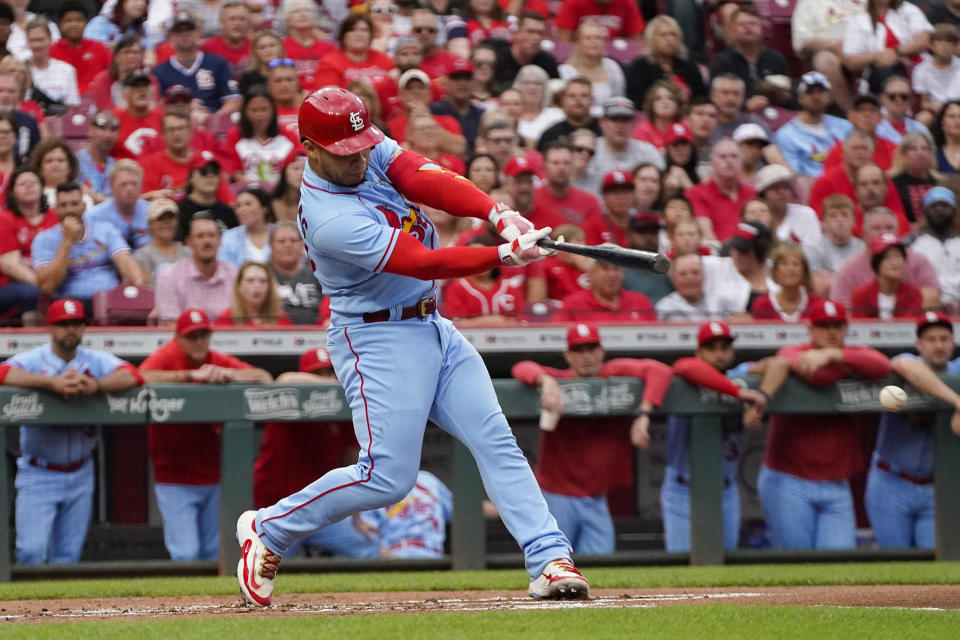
(220, 123)
(776, 117)
(75, 123)
(624, 49)
(123, 305)
(557, 48)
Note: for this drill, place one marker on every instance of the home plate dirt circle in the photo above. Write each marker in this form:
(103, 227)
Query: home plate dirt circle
(924, 597)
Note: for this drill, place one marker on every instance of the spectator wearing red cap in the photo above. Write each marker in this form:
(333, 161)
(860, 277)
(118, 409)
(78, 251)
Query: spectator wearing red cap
(488, 298)
(888, 295)
(803, 483)
(355, 59)
(294, 454)
(458, 103)
(717, 203)
(55, 470)
(87, 57)
(606, 300)
(611, 226)
(186, 457)
(581, 460)
(712, 367)
(621, 18)
(680, 153)
(899, 497)
(519, 173)
(557, 202)
(233, 41)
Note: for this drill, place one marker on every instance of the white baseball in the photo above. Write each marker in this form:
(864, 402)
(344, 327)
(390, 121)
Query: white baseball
(893, 398)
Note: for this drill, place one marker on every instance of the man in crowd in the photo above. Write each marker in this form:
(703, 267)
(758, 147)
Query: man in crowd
(806, 140)
(809, 459)
(200, 281)
(606, 299)
(716, 204)
(857, 270)
(702, 119)
(556, 202)
(55, 468)
(728, 92)
(186, 457)
(838, 244)
(643, 234)
(297, 288)
(78, 258)
(748, 57)
(582, 459)
(615, 148)
(414, 96)
(865, 116)
(126, 211)
(518, 182)
(139, 122)
(939, 243)
(790, 221)
(610, 225)
(499, 138)
(575, 101)
(437, 61)
(87, 57)
(207, 75)
(688, 302)
(525, 49)
(284, 87)
(95, 160)
(233, 43)
(458, 102)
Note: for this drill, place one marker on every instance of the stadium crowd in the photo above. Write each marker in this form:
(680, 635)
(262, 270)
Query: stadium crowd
(150, 167)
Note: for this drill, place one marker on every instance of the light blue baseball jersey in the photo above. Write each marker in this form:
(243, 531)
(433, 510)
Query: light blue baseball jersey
(136, 232)
(907, 446)
(61, 444)
(678, 433)
(805, 148)
(90, 267)
(418, 521)
(351, 233)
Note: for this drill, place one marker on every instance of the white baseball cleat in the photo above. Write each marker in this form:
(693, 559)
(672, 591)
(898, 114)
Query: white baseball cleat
(560, 580)
(258, 565)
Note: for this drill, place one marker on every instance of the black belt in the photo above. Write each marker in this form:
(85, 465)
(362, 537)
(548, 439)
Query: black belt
(683, 480)
(921, 480)
(422, 309)
(49, 466)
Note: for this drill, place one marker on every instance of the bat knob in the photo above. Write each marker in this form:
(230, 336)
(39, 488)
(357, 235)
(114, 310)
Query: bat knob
(661, 264)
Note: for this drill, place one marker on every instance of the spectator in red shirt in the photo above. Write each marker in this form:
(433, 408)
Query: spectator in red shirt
(437, 62)
(233, 43)
(107, 88)
(621, 18)
(554, 278)
(717, 203)
(518, 182)
(794, 301)
(610, 227)
(414, 96)
(865, 116)
(139, 121)
(606, 300)
(88, 57)
(166, 172)
(663, 105)
(485, 299)
(888, 295)
(283, 85)
(300, 44)
(355, 59)
(255, 300)
(556, 202)
(486, 19)
(186, 457)
(256, 147)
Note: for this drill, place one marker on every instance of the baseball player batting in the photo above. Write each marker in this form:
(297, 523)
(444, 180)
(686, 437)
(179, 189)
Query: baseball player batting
(401, 363)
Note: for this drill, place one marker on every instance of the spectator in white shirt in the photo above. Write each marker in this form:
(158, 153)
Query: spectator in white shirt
(791, 222)
(838, 245)
(54, 77)
(940, 244)
(689, 302)
(937, 77)
(868, 45)
(818, 27)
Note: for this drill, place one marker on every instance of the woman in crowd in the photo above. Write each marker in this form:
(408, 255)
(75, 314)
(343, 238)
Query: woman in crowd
(55, 163)
(536, 116)
(888, 295)
(163, 249)
(793, 301)
(265, 47)
(663, 105)
(587, 60)
(30, 96)
(486, 19)
(646, 188)
(128, 18)
(25, 216)
(946, 134)
(249, 242)
(681, 158)
(664, 58)
(483, 172)
(483, 85)
(106, 88)
(202, 185)
(258, 147)
(8, 156)
(913, 174)
(381, 14)
(880, 40)
(255, 299)
(355, 59)
(286, 193)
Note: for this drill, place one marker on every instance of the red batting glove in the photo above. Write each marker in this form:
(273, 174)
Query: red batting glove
(510, 224)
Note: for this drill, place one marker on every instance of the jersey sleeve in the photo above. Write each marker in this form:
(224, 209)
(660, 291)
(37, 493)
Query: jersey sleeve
(226, 360)
(157, 361)
(103, 363)
(356, 239)
(43, 250)
(227, 87)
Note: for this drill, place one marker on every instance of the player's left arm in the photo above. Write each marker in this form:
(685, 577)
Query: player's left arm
(127, 267)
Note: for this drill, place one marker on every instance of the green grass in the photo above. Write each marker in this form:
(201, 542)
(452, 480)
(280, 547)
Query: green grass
(673, 623)
(620, 578)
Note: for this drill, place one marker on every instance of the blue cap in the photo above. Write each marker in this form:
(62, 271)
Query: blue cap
(939, 194)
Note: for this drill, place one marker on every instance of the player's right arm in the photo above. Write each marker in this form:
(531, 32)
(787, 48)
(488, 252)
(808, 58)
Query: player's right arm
(532, 374)
(925, 379)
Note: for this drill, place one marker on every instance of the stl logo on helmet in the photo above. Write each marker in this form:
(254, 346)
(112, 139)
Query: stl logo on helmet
(356, 120)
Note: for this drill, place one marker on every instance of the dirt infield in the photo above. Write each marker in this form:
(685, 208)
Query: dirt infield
(338, 604)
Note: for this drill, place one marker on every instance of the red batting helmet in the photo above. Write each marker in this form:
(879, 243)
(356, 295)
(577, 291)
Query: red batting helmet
(338, 121)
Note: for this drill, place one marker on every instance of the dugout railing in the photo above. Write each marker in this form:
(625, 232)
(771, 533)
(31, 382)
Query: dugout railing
(240, 407)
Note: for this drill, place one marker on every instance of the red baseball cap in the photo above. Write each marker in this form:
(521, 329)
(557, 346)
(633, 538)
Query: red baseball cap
(617, 179)
(713, 330)
(66, 309)
(459, 67)
(827, 311)
(884, 242)
(203, 158)
(314, 359)
(517, 166)
(193, 320)
(678, 132)
(582, 333)
(933, 318)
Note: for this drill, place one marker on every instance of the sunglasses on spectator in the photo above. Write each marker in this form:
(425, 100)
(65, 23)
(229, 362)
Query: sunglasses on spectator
(584, 150)
(387, 9)
(209, 170)
(898, 96)
(281, 62)
(425, 29)
(106, 123)
(483, 63)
